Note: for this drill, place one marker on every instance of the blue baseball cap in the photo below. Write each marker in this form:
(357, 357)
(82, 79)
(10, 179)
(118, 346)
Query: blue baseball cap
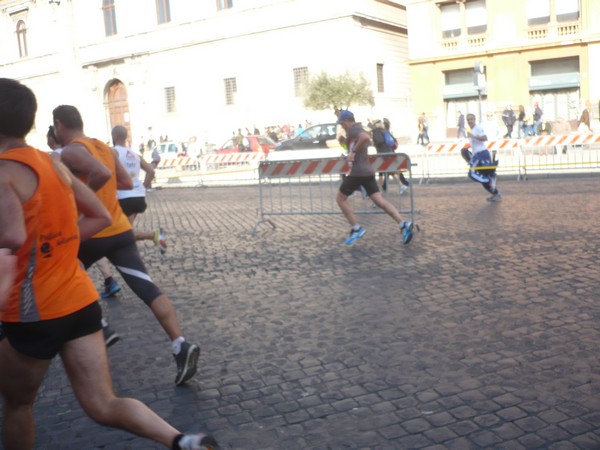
(345, 115)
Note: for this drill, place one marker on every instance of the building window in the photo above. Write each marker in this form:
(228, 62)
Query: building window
(230, 91)
(566, 10)
(170, 99)
(110, 18)
(300, 80)
(163, 11)
(538, 12)
(224, 4)
(476, 17)
(380, 85)
(450, 20)
(22, 38)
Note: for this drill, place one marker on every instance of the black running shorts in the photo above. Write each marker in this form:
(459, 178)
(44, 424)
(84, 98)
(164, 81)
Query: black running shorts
(133, 205)
(352, 183)
(44, 339)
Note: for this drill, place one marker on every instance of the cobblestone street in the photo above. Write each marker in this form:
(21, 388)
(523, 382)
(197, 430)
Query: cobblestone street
(482, 333)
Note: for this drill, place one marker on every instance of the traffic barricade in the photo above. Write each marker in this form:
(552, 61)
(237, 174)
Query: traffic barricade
(542, 154)
(310, 186)
(214, 167)
(561, 154)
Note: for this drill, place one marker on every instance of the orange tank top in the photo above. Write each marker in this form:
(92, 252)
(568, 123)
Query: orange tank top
(107, 193)
(51, 282)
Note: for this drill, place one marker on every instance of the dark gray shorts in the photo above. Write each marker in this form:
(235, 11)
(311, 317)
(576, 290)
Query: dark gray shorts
(352, 183)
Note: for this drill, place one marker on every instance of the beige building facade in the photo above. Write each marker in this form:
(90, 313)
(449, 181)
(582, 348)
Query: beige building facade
(532, 51)
(190, 69)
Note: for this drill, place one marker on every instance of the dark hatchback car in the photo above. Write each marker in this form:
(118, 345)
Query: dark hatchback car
(313, 137)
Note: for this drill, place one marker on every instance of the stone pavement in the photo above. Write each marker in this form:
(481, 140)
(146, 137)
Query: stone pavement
(482, 333)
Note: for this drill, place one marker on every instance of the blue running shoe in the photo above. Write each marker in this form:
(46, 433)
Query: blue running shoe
(354, 235)
(407, 232)
(110, 289)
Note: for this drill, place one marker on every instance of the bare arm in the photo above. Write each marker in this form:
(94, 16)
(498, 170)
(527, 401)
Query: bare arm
(12, 222)
(362, 143)
(94, 216)
(124, 181)
(146, 167)
(8, 269)
(76, 157)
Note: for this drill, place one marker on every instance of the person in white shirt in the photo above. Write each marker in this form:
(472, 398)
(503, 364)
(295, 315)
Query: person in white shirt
(479, 157)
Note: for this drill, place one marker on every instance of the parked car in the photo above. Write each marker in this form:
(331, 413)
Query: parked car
(167, 150)
(252, 143)
(311, 138)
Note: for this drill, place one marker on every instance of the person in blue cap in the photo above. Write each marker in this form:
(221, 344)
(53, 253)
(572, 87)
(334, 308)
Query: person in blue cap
(362, 174)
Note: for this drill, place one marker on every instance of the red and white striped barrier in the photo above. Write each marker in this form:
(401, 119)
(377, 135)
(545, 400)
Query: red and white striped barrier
(232, 158)
(175, 162)
(512, 144)
(568, 139)
(217, 158)
(330, 166)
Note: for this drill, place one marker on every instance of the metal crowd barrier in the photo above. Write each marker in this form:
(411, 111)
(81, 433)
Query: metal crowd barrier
(310, 186)
(518, 157)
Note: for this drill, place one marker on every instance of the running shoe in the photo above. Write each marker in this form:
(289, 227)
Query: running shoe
(198, 442)
(187, 362)
(110, 289)
(407, 232)
(403, 189)
(354, 235)
(160, 239)
(495, 198)
(110, 337)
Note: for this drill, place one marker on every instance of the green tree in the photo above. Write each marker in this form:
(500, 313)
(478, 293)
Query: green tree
(337, 92)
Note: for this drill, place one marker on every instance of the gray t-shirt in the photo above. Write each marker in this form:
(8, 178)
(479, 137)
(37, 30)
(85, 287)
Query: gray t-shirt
(361, 167)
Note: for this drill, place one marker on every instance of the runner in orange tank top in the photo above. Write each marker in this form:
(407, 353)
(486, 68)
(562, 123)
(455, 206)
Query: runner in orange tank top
(51, 308)
(99, 166)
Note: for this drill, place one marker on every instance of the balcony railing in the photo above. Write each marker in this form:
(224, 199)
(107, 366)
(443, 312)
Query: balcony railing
(554, 30)
(464, 43)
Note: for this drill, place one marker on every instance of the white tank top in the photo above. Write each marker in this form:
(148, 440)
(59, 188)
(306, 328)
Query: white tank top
(131, 162)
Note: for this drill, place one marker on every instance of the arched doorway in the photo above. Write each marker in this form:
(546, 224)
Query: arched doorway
(118, 106)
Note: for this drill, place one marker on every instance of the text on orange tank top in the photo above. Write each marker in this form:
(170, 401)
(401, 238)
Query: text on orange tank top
(51, 282)
(107, 193)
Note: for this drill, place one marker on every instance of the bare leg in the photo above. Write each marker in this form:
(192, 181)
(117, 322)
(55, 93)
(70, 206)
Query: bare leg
(167, 317)
(20, 379)
(386, 206)
(346, 207)
(104, 267)
(86, 365)
(144, 235)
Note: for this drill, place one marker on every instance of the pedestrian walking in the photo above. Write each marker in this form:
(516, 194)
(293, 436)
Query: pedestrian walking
(52, 306)
(362, 175)
(460, 125)
(481, 165)
(385, 142)
(522, 131)
(509, 119)
(92, 160)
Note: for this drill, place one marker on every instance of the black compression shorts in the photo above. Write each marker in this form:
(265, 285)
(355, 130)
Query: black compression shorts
(121, 250)
(44, 339)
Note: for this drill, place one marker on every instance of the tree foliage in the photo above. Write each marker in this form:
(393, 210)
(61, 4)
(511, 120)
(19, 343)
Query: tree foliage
(337, 92)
